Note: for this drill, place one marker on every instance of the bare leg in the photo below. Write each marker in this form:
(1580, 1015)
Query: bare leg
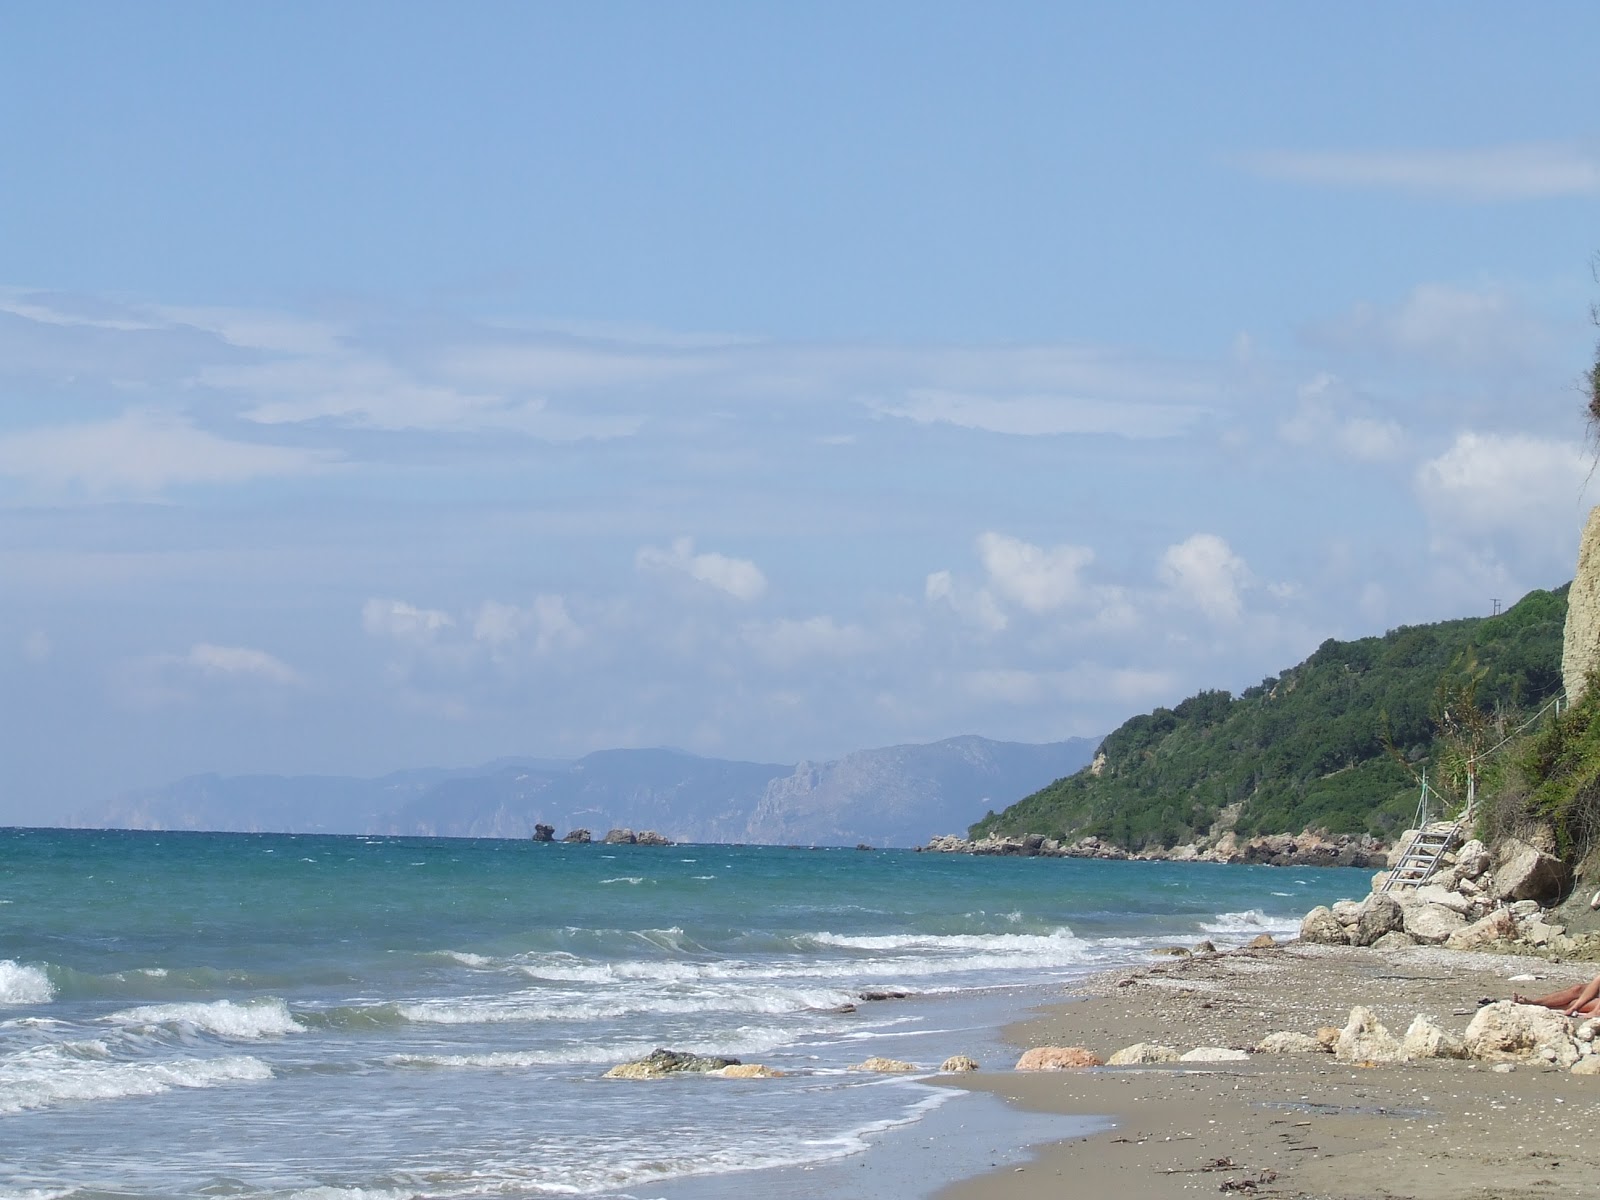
(1563, 999)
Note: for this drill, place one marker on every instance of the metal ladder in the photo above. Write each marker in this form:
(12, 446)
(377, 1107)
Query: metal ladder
(1422, 854)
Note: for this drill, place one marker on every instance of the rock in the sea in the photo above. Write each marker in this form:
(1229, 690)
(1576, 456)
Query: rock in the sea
(620, 837)
(1506, 1031)
(649, 837)
(888, 1066)
(1214, 1054)
(1322, 927)
(1432, 924)
(750, 1071)
(1365, 1039)
(660, 1063)
(544, 833)
(1498, 926)
(1380, 914)
(578, 835)
(1524, 872)
(958, 1063)
(1262, 941)
(1424, 1039)
(1290, 1043)
(1141, 1054)
(1058, 1058)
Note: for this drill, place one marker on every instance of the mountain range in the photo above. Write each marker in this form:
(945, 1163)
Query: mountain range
(891, 796)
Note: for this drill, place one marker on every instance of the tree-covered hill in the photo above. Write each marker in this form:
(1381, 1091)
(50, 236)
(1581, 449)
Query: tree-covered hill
(1318, 747)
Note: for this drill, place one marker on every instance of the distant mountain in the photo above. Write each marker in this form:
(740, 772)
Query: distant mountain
(896, 796)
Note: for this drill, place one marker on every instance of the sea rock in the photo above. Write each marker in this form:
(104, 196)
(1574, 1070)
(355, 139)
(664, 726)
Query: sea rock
(887, 1066)
(750, 1071)
(577, 835)
(1432, 924)
(1320, 926)
(1214, 1054)
(1395, 939)
(1506, 1031)
(1524, 872)
(1141, 1054)
(620, 837)
(1365, 1039)
(1498, 926)
(1262, 941)
(1380, 914)
(544, 833)
(959, 1063)
(649, 837)
(1425, 1039)
(660, 1063)
(1058, 1058)
(1290, 1043)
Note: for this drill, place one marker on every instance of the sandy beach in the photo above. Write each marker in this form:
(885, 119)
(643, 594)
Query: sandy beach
(1298, 1125)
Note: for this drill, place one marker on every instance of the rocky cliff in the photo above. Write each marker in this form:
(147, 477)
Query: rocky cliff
(1580, 647)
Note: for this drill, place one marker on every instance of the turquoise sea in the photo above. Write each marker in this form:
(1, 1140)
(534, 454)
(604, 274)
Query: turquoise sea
(275, 1016)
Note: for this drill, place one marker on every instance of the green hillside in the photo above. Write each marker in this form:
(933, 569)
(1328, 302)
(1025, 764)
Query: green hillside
(1318, 747)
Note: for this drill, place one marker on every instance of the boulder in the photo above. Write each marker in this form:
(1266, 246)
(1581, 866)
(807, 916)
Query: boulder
(888, 1066)
(1261, 941)
(1364, 1039)
(1290, 1043)
(1523, 872)
(1205, 947)
(1214, 1054)
(1395, 939)
(650, 837)
(958, 1063)
(1058, 1058)
(577, 835)
(1322, 927)
(1472, 860)
(544, 833)
(1587, 1066)
(1141, 1054)
(1540, 933)
(1587, 1030)
(1432, 924)
(1433, 893)
(1328, 1037)
(1346, 911)
(1425, 1039)
(750, 1071)
(620, 837)
(660, 1063)
(1380, 914)
(1506, 1032)
(1498, 926)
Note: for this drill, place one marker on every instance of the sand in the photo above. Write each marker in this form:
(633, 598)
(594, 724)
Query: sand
(1299, 1125)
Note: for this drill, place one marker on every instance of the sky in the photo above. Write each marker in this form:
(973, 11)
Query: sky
(389, 385)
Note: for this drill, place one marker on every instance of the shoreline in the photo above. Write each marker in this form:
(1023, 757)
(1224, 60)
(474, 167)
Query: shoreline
(1295, 1125)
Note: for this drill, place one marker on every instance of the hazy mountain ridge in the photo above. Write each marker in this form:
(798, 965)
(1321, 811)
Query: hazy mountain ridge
(896, 795)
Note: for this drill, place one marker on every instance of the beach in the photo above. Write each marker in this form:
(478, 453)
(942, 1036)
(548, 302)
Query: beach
(1297, 1125)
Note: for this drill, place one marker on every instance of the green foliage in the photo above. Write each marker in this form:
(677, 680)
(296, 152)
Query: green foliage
(1332, 744)
(1560, 777)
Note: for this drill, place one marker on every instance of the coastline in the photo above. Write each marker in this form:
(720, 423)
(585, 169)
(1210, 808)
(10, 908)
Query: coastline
(1297, 1125)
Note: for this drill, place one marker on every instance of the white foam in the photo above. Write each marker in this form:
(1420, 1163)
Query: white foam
(223, 1018)
(352, 1193)
(21, 984)
(63, 1072)
(1251, 921)
(625, 879)
(468, 959)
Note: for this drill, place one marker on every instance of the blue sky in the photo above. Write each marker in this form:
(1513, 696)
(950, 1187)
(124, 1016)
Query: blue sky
(395, 384)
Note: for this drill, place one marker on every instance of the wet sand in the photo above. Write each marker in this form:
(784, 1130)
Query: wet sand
(1298, 1125)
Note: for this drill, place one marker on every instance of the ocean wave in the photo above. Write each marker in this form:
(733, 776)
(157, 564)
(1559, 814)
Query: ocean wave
(1251, 921)
(743, 1000)
(221, 1018)
(64, 1072)
(624, 879)
(21, 984)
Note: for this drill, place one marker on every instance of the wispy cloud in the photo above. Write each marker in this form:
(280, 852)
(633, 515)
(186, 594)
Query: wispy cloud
(737, 577)
(1525, 171)
(1035, 415)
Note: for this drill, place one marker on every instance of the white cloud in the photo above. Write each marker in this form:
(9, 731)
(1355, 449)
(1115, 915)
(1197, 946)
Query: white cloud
(1488, 483)
(976, 605)
(238, 662)
(1441, 323)
(1037, 415)
(143, 453)
(1038, 579)
(1319, 423)
(1526, 171)
(788, 642)
(737, 577)
(500, 625)
(402, 621)
(1205, 571)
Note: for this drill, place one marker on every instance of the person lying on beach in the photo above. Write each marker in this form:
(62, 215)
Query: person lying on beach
(1577, 1000)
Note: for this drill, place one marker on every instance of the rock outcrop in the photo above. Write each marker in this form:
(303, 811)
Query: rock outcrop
(1580, 645)
(1058, 1058)
(544, 833)
(1279, 849)
(580, 836)
(658, 1064)
(1143, 1054)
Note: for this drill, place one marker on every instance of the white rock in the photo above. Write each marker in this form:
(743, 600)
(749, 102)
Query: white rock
(1214, 1054)
(1320, 926)
(1424, 1039)
(1435, 894)
(1290, 1043)
(1142, 1053)
(1432, 924)
(1472, 860)
(1524, 872)
(1505, 1031)
(1346, 911)
(1364, 1039)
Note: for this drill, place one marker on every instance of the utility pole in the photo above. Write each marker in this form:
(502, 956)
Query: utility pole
(1496, 611)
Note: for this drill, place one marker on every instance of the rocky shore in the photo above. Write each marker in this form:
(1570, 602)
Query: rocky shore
(1307, 849)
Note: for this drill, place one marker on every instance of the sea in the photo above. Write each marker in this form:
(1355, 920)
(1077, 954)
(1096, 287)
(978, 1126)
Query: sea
(282, 1017)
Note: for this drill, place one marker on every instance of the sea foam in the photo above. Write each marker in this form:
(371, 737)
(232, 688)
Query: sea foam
(221, 1018)
(20, 984)
(43, 1076)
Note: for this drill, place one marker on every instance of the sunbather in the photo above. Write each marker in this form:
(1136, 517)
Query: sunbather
(1581, 999)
